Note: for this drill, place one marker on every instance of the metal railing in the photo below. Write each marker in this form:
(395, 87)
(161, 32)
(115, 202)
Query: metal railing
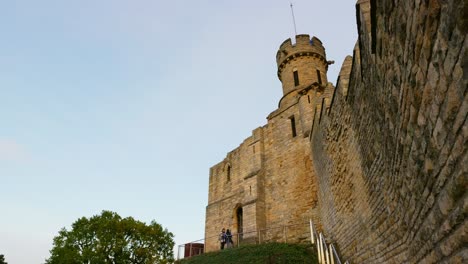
(326, 253)
(303, 232)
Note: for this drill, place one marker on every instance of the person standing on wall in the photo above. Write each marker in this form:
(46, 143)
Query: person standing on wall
(229, 243)
(222, 238)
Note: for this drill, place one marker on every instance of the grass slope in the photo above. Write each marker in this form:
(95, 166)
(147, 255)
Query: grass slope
(271, 253)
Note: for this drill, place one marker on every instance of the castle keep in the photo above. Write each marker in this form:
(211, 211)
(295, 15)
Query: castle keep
(380, 162)
(268, 181)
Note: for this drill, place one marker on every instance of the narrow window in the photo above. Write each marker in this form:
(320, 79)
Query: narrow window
(250, 189)
(308, 98)
(293, 126)
(253, 148)
(296, 78)
(229, 172)
(319, 78)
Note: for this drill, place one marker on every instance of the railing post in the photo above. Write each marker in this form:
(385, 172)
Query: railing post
(322, 249)
(319, 253)
(332, 259)
(312, 239)
(326, 254)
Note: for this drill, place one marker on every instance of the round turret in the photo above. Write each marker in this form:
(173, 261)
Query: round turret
(301, 65)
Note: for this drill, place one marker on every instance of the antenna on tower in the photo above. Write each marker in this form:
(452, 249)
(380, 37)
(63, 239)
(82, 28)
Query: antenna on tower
(294, 19)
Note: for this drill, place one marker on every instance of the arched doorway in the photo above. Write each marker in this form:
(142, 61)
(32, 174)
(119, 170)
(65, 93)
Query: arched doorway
(239, 218)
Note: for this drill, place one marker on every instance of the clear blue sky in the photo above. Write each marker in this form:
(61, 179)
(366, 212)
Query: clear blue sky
(125, 105)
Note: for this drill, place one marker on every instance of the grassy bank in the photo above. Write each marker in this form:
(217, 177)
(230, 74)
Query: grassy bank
(276, 253)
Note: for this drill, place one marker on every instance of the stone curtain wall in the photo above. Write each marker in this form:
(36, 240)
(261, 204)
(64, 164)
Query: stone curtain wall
(242, 188)
(390, 156)
(290, 191)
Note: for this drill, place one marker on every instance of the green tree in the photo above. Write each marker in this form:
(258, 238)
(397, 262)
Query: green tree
(108, 238)
(2, 259)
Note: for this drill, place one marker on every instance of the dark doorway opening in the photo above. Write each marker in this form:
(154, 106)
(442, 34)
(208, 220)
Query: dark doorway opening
(239, 216)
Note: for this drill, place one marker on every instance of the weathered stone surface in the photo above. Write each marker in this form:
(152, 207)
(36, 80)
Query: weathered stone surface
(380, 163)
(405, 119)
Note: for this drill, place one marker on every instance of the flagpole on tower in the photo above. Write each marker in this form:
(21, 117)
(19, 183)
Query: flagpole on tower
(294, 19)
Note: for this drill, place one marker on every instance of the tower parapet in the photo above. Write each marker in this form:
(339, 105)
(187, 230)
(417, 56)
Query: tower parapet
(300, 65)
(304, 46)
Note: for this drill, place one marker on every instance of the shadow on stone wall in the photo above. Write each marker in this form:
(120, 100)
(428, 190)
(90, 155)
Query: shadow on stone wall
(390, 154)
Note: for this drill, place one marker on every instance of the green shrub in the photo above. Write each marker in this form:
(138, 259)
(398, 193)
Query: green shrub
(271, 253)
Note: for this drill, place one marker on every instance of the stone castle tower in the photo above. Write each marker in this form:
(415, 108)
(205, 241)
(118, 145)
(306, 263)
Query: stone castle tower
(268, 181)
(380, 163)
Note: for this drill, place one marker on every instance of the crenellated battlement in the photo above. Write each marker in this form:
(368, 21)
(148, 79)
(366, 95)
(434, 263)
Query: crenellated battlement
(303, 41)
(304, 46)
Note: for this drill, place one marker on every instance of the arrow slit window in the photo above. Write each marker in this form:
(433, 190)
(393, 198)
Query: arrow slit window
(296, 77)
(293, 126)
